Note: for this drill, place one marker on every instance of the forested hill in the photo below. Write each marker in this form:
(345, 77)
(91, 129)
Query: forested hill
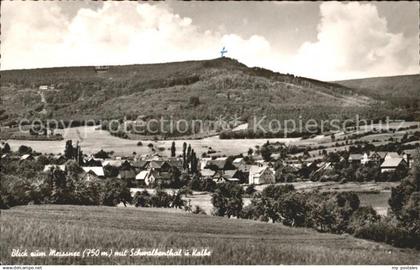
(393, 86)
(401, 91)
(192, 89)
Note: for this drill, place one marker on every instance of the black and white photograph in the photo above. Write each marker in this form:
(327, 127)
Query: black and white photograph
(211, 133)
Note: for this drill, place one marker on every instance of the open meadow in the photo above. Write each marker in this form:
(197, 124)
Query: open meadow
(92, 140)
(375, 194)
(230, 241)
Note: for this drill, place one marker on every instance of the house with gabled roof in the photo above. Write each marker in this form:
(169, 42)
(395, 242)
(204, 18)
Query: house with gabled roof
(227, 176)
(355, 158)
(95, 170)
(27, 157)
(244, 168)
(176, 162)
(207, 174)
(203, 162)
(112, 162)
(140, 165)
(238, 162)
(261, 175)
(127, 175)
(216, 164)
(159, 165)
(91, 161)
(393, 162)
(142, 178)
(50, 167)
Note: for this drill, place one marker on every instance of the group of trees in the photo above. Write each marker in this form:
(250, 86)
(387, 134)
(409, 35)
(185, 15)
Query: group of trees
(189, 158)
(202, 184)
(61, 187)
(260, 134)
(345, 171)
(160, 199)
(24, 181)
(326, 212)
(338, 212)
(340, 169)
(227, 199)
(73, 152)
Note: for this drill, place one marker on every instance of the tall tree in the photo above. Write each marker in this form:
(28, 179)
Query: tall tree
(69, 150)
(173, 150)
(184, 156)
(6, 148)
(78, 155)
(194, 162)
(189, 154)
(266, 152)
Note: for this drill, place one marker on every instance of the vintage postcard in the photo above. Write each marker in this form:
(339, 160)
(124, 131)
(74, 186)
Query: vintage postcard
(177, 133)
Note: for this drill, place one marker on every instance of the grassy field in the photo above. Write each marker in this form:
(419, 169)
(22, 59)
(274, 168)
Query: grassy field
(375, 194)
(92, 140)
(230, 241)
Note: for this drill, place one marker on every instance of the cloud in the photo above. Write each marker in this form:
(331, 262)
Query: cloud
(353, 41)
(116, 33)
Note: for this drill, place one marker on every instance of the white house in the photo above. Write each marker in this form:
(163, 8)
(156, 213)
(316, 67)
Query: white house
(26, 157)
(146, 177)
(392, 163)
(112, 162)
(204, 162)
(97, 170)
(261, 175)
(49, 167)
(238, 162)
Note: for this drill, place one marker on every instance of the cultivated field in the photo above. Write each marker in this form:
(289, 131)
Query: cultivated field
(93, 140)
(231, 241)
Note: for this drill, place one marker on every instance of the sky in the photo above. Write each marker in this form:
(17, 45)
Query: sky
(321, 40)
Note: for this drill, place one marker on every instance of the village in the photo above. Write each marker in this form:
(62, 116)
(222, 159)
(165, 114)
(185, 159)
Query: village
(269, 164)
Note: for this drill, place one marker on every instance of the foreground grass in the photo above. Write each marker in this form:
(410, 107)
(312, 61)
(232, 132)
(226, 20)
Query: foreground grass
(71, 228)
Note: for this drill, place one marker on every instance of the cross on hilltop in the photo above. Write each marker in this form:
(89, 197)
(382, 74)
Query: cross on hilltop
(223, 51)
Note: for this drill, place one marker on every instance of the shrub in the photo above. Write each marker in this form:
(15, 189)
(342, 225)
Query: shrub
(161, 199)
(3, 204)
(23, 149)
(114, 191)
(200, 184)
(101, 154)
(390, 234)
(86, 192)
(141, 199)
(198, 211)
(20, 191)
(250, 189)
(362, 217)
(227, 199)
(276, 192)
